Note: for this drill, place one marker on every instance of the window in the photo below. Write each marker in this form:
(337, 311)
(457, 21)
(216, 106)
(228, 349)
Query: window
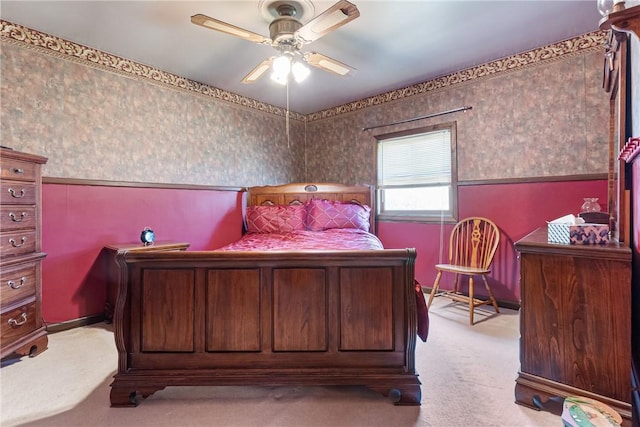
(417, 174)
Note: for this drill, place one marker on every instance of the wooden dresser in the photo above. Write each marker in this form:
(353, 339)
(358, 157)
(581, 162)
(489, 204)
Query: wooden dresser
(575, 323)
(23, 329)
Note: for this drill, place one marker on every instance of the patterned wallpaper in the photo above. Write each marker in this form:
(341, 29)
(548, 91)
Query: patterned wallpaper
(539, 118)
(97, 116)
(95, 121)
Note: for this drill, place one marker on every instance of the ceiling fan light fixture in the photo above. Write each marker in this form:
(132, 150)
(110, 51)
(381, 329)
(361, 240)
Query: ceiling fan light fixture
(300, 71)
(282, 65)
(288, 35)
(281, 69)
(279, 78)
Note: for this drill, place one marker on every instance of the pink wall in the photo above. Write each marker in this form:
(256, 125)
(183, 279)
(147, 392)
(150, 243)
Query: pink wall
(79, 220)
(517, 209)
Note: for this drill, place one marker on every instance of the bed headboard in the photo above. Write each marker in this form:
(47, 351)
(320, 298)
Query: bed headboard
(290, 194)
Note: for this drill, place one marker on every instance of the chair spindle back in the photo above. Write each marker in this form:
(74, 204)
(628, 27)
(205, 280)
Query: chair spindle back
(473, 243)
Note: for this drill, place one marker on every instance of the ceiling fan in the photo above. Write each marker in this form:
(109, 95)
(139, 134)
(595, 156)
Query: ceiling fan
(288, 35)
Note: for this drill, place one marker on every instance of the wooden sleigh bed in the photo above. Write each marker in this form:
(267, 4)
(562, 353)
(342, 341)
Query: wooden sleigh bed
(310, 317)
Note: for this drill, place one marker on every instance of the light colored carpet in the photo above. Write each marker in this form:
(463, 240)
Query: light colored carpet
(467, 376)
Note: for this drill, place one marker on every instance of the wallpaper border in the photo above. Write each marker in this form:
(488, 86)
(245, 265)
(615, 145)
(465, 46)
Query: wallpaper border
(23, 36)
(542, 55)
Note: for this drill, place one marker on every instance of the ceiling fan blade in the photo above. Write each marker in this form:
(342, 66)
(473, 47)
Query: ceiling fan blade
(214, 24)
(257, 72)
(329, 20)
(328, 64)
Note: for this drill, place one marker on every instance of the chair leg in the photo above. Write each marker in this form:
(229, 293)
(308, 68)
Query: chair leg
(493, 300)
(456, 282)
(434, 289)
(471, 301)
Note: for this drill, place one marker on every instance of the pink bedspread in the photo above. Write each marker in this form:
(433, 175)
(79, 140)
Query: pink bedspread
(334, 239)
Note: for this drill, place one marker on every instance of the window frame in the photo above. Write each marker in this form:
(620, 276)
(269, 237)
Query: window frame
(449, 216)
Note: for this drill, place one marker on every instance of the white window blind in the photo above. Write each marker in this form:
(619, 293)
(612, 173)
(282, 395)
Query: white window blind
(422, 159)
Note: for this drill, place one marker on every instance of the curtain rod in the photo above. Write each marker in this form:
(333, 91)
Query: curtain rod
(421, 117)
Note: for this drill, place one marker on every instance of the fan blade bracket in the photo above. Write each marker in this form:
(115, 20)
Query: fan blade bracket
(331, 19)
(232, 30)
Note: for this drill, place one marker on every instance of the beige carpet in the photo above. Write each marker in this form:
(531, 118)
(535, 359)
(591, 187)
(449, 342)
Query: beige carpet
(467, 376)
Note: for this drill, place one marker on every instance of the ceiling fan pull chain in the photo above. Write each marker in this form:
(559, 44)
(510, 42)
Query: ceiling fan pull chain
(287, 118)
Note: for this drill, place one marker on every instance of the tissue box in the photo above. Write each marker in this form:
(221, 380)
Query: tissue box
(558, 229)
(581, 234)
(588, 234)
(572, 230)
(558, 232)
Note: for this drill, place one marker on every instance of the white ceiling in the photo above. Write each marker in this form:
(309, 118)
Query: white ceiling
(392, 44)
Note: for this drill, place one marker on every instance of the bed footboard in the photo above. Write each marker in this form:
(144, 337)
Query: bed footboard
(280, 318)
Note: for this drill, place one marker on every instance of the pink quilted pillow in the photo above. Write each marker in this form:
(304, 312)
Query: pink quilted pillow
(326, 214)
(276, 219)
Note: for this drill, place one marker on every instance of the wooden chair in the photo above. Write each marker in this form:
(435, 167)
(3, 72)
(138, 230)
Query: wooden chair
(472, 246)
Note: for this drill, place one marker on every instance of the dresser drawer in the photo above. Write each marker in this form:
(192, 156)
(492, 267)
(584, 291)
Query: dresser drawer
(16, 217)
(18, 322)
(19, 242)
(17, 283)
(18, 169)
(18, 193)
(22, 331)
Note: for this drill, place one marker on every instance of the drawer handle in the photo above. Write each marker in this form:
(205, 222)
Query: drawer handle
(14, 194)
(17, 170)
(14, 285)
(14, 218)
(16, 244)
(14, 323)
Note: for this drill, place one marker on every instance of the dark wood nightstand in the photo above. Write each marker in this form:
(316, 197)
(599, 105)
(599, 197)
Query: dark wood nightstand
(110, 252)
